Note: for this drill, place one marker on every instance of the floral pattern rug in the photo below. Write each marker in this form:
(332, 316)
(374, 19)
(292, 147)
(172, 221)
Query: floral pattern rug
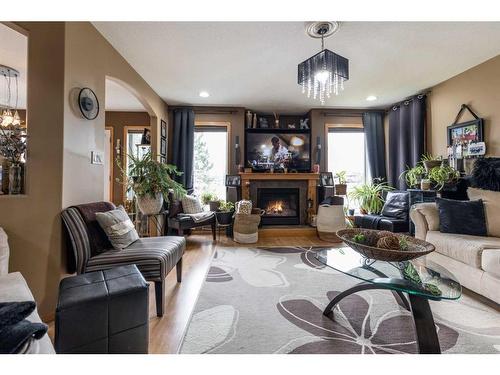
(270, 300)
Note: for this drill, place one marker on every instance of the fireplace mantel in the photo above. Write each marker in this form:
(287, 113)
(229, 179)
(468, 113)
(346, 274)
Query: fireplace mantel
(311, 178)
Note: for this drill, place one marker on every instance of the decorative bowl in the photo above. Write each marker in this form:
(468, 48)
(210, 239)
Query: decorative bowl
(416, 248)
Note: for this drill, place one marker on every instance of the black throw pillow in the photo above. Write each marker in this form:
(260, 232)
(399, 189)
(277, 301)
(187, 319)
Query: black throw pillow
(396, 205)
(461, 217)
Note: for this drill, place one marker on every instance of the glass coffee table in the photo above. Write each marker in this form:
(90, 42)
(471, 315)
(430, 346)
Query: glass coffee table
(376, 274)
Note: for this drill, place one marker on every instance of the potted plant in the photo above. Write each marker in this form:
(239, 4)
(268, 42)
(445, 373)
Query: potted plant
(370, 197)
(429, 161)
(413, 176)
(341, 186)
(211, 199)
(151, 181)
(443, 176)
(225, 212)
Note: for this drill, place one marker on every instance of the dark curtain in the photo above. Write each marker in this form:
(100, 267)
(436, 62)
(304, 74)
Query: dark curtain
(406, 137)
(183, 146)
(373, 124)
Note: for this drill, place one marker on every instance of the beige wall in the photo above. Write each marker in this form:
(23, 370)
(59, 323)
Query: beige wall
(478, 87)
(32, 221)
(118, 120)
(63, 57)
(89, 60)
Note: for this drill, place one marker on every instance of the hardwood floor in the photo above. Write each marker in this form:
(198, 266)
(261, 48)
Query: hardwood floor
(166, 333)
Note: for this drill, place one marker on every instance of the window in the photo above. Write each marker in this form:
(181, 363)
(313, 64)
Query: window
(210, 159)
(347, 152)
(134, 147)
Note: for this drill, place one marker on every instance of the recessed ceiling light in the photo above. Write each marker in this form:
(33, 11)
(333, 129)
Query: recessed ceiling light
(371, 98)
(204, 94)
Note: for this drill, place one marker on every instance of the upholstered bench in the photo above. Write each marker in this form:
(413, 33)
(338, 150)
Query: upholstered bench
(103, 312)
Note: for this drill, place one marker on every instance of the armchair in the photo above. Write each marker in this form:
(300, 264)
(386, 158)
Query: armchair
(155, 257)
(394, 215)
(180, 222)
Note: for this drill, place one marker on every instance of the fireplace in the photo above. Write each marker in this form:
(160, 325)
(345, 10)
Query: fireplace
(281, 205)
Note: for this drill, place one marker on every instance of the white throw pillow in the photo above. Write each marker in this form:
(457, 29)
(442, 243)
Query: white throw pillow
(118, 227)
(191, 205)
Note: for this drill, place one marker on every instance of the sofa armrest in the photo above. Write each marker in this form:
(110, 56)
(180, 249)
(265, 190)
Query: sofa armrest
(419, 219)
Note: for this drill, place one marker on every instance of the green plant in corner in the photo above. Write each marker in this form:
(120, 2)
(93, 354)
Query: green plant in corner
(342, 177)
(443, 175)
(150, 179)
(206, 198)
(370, 196)
(226, 206)
(414, 175)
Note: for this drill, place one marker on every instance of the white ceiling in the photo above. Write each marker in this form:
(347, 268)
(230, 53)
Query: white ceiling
(119, 98)
(13, 53)
(254, 64)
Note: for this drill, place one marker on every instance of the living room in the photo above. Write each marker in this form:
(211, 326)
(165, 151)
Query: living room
(283, 187)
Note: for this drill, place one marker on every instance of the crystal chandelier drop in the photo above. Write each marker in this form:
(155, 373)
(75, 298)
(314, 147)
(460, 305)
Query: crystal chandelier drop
(324, 73)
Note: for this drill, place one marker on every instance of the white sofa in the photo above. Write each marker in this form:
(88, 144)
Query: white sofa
(13, 288)
(474, 260)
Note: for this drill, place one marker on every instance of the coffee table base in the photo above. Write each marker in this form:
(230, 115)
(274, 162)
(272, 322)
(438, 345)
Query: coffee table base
(425, 328)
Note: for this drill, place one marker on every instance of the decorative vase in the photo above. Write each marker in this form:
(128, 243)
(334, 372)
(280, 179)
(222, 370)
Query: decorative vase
(425, 184)
(224, 218)
(249, 119)
(150, 205)
(15, 179)
(429, 164)
(340, 189)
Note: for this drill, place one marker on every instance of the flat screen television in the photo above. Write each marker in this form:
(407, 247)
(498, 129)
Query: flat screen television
(267, 149)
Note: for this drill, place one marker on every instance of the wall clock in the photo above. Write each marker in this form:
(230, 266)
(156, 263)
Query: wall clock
(88, 103)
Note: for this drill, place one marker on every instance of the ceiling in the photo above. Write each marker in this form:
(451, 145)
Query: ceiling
(254, 64)
(119, 98)
(14, 53)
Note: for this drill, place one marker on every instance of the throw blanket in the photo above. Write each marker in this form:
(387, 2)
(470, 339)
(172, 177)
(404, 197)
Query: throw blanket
(15, 331)
(200, 216)
(98, 239)
(370, 221)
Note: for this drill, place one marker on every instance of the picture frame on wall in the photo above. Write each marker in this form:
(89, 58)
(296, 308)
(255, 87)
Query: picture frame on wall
(163, 129)
(233, 180)
(163, 147)
(465, 132)
(326, 179)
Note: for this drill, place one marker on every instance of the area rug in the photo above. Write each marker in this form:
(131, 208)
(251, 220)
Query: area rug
(270, 300)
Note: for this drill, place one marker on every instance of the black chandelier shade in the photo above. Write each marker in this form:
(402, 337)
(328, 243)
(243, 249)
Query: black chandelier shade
(324, 60)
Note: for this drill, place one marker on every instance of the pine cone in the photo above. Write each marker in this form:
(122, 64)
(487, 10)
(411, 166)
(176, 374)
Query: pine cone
(388, 242)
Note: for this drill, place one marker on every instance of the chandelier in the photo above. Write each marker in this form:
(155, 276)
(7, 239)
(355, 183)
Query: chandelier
(324, 73)
(9, 115)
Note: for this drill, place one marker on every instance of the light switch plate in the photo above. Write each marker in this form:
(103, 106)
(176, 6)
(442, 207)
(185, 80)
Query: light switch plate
(96, 157)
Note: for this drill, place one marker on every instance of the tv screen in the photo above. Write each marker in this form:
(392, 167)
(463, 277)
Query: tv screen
(278, 150)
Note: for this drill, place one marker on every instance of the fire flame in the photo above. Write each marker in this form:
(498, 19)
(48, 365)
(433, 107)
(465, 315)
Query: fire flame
(275, 207)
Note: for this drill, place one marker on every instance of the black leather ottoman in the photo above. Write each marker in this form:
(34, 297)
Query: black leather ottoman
(103, 312)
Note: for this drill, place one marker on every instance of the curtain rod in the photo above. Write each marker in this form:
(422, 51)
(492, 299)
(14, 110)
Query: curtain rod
(215, 112)
(208, 111)
(409, 99)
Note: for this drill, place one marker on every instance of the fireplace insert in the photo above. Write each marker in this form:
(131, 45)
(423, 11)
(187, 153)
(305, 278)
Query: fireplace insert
(281, 205)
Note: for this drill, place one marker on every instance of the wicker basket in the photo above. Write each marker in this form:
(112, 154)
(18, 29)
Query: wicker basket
(416, 247)
(246, 227)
